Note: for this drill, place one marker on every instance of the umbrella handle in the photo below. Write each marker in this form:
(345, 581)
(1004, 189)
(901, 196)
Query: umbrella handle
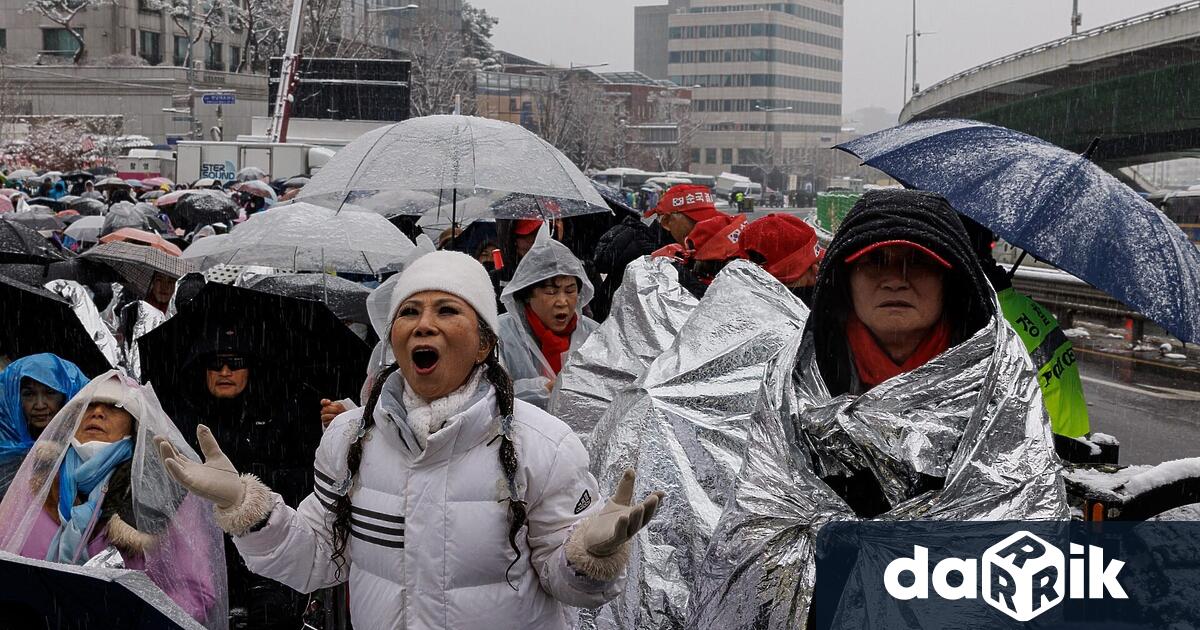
(1012, 272)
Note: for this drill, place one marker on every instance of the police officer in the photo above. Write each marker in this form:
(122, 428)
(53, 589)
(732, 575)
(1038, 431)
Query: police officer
(1052, 352)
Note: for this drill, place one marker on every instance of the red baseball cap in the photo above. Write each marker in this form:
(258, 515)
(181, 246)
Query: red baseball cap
(904, 243)
(694, 200)
(787, 242)
(716, 238)
(525, 227)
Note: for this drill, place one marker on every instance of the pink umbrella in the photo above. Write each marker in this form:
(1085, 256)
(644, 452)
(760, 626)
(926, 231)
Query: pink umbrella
(158, 182)
(171, 197)
(5, 204)
(142, 237)
(256, 188)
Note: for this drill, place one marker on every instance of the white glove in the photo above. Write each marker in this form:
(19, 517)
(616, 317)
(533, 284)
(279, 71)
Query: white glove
(216, 479)
(598, 546)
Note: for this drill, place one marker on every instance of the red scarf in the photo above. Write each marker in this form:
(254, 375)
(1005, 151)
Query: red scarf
(873, 363)
(553, 344)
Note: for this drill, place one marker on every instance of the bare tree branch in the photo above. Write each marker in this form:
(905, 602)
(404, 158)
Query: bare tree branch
(63, 13)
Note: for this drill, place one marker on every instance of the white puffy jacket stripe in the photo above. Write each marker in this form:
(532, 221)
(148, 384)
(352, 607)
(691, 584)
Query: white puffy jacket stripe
(453, 570)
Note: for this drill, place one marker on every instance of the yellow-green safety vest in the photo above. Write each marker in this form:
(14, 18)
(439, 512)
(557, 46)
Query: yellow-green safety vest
(1054, 357)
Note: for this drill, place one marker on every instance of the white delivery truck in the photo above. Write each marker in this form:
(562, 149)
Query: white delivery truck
(729, 183)
(146, 163)
(222, 160)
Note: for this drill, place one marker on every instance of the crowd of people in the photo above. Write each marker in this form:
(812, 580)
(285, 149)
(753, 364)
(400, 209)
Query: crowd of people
(445, 494)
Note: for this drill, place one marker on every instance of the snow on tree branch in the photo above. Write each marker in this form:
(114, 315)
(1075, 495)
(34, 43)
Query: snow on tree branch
(63, 13)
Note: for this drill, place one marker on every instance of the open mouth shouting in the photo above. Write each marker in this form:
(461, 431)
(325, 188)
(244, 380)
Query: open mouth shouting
(424, 359)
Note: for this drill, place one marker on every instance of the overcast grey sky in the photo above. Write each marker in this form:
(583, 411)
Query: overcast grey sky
(968, 32)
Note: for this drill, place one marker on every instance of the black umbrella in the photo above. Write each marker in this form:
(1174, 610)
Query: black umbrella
(126, 215)
(41, 594)
(347, 300)
(202, 207)
(36, 320)
(30, 273)
(102, 171)
(299, 342)
(49, 202)
(87, 206)
(112, 182)
(21, 244)
(37, 220)
(78, 176)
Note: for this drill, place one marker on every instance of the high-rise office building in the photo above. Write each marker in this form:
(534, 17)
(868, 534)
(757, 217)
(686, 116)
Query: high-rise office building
(766, 79)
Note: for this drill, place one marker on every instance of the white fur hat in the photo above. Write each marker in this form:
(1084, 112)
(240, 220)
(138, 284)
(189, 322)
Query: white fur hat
(451, 272)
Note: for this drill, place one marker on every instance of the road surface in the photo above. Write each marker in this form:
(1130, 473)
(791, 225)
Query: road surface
(1156, 417)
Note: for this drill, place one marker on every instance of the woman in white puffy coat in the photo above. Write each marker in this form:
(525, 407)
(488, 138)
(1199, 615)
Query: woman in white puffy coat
(544, 321)
(444, 503)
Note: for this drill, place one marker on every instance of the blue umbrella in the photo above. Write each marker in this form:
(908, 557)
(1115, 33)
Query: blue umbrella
(1054, 204)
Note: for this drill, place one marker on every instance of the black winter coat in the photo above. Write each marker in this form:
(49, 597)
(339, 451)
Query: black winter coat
(620, 245)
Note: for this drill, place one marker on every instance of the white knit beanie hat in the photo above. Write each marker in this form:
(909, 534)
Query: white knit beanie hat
(451, 272)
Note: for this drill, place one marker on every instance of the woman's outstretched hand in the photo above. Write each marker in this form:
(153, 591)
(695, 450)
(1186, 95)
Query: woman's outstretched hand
(599, 545)
(216, 479)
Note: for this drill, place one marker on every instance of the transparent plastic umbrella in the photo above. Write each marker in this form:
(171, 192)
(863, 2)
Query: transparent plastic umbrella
(452, 159)
(305, 237)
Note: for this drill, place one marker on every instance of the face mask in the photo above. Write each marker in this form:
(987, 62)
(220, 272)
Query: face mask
(88, 450)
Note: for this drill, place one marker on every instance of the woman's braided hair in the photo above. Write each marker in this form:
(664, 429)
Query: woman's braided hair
(500, 380)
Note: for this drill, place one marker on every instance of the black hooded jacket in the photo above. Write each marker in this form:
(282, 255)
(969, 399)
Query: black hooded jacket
(923, 218)
(883, 215)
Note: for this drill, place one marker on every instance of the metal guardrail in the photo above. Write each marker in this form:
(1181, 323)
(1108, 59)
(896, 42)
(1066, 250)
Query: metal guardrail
(1099, 30)
(1067, 296)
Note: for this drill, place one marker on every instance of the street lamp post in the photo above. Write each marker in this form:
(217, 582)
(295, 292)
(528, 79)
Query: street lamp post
(909, 37)
(767, 137)
(397, 10)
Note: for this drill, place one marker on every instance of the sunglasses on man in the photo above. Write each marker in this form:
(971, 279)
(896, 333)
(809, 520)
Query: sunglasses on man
(233, 362)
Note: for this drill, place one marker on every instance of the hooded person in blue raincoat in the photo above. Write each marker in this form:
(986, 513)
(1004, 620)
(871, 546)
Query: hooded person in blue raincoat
(32, 390)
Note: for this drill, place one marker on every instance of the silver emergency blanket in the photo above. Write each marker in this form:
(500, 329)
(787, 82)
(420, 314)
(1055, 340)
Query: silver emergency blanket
(972, 415)
(145, 319)
(683, 427)
(89, 316)
(647, 312)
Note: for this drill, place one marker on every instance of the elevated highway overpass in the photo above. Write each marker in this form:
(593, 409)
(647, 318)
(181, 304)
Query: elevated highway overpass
(1135, 84)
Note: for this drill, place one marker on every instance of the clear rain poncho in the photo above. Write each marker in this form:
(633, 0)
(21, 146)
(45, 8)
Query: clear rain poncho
(519, 349)
(648, 309)
(157, 526)
(683, 427)
(972, 416)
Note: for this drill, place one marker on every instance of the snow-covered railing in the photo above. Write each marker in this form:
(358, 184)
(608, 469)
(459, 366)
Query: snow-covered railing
(1099, 30)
